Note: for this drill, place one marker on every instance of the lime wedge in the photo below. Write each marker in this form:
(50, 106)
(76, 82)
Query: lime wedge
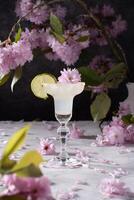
(37, 84)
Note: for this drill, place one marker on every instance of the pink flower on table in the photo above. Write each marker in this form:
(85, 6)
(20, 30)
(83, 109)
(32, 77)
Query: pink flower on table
(69, 76)
(129, 133)
(101, 141)
(67, 196)
(124, 109)
(117, 121)
(47, 147)
(111, 187)
(76, 132)
(111, 135)
(115, 135)
(30, 188)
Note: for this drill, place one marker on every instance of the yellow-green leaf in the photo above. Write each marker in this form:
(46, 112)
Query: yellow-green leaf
(12, 197)
(31, 157)
(29, 171)
(16, 77)
(7, 165)
(18, 34)
(15, 142)
(60, 38)
(100, 106)
(56, 24)
(4, 79)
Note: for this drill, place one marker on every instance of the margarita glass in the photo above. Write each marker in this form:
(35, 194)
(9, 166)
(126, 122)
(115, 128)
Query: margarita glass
(63, 94)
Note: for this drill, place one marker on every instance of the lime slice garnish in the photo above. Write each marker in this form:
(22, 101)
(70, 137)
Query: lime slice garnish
(38, 84)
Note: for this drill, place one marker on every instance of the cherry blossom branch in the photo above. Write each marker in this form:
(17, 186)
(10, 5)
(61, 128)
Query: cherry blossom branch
(20, 19)
(115, 47)
(106, 34)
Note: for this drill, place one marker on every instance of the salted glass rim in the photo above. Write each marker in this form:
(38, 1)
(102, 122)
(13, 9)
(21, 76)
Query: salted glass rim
(60, 83)
(64, 89)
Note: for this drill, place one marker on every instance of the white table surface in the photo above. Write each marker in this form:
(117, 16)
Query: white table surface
(64, 179)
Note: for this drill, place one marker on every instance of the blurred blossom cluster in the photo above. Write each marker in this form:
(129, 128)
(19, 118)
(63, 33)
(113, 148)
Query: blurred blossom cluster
(117, 132)
(27, 187)
(75, 37)
(39, 14)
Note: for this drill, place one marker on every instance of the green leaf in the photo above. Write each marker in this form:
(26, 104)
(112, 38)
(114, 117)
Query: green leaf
(56, 24)
(15, 142)
(83, 38)
(18, 34)
(7, 165)
(100, 106)
(31, 157)
(90, 77)
(12, 197)
(115, 75)
(4, 79)
(132, 119)
(60, 38)
(29, 171)
(16, 77)
(128, 119)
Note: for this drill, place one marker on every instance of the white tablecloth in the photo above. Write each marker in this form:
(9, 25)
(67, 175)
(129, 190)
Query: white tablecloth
(65, 179)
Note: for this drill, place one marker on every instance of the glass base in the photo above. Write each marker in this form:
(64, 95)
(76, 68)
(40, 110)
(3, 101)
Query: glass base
(56, 162)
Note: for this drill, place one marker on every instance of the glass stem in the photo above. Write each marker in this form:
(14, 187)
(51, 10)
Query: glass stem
(63, 132)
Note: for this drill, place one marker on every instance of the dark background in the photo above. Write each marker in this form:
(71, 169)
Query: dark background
(21, 104)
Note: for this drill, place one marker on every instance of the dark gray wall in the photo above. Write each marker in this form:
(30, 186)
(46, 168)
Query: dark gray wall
(23, 105)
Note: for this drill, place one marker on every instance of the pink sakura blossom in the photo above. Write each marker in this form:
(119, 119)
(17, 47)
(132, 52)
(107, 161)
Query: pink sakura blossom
(115, 26)
(111, 135)
(67, 196)
(99, 89)
(124, 109)
(47, 147)
(129, 136)
(15, 55)
(101, 63)
(37, 38)
(59, 11)
(76, 132)
(107, 11)
(119, 172)
(111, 187)
(51, 56)
(82, 156)
(37, 16)
(30, 188)
(68, 52)
(79, 32)
(117, 121)
(69, 76)
(118, 26)
(115, 135)
(100, 141)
